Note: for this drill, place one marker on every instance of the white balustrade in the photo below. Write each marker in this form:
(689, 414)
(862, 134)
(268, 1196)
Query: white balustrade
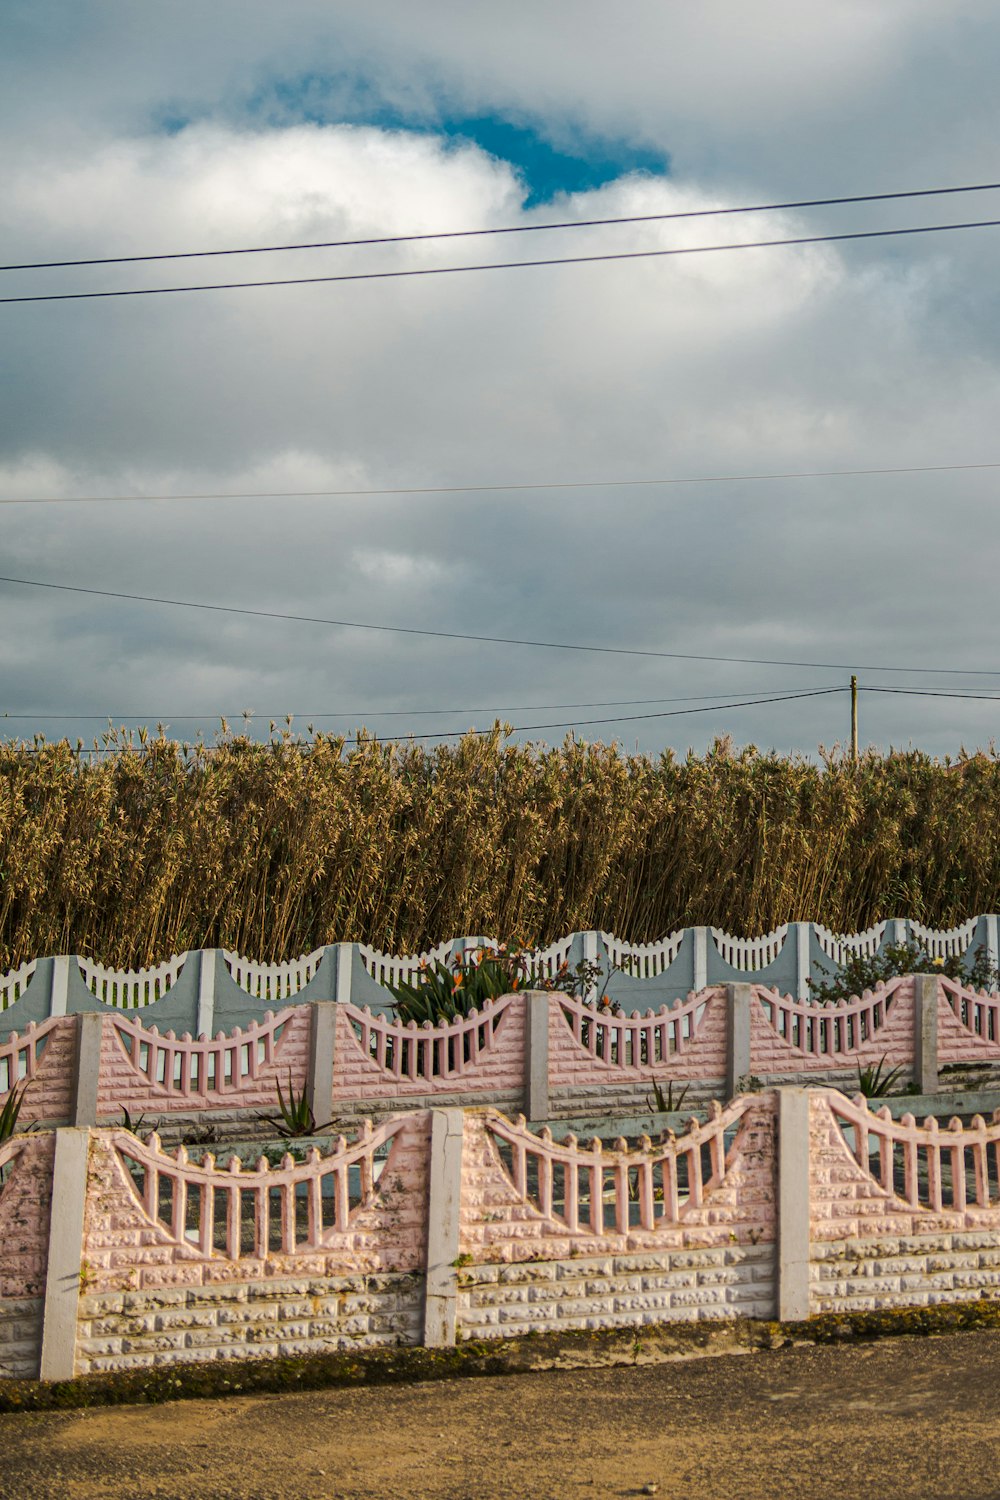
(843, 946)
(750, 953)
(14, 981)
(392, 969)
(643, 960)
(131, 989)
(274, 982)
(949, 942)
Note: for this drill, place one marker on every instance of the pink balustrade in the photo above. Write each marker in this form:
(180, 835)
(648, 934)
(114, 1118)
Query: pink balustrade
(20, 1055)
(587, 1188)
(253, 1214)
(924, 1166)
(378, 1056)
(589, 1044)
(41, 1058)
(141, 1066)
(969, 1028)
(787, 1035)
(25, 1207)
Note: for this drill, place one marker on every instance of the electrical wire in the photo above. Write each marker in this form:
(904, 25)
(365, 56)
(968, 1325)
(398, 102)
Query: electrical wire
(378, 713)
(361, 714)
(502, 265)
(568, 724)
(493, 489)
(459, 234)
(932, 693)
(494, 640)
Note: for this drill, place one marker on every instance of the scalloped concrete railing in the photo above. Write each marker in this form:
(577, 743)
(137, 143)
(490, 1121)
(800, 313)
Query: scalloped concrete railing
(131, 989)
(273, 981)
(585, 1188)
(193, 1209)
(188, 989)
(442, 1224)
(551, 1055)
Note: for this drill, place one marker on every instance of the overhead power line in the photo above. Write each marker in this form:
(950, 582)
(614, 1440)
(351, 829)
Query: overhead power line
(360, 714)
(492, 489)
(932, 693)
(503, 265)
(493, 640)
(571, 723)
(461, 234)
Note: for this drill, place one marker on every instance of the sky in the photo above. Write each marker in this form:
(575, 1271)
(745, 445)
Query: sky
(132, 130)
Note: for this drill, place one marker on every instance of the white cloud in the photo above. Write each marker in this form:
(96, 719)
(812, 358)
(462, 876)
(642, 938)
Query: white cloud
(809, 358)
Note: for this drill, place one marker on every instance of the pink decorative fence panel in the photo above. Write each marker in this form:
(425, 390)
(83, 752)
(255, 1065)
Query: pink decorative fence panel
(588, 1045)
(42, 1058)
(787, 1036)
(875, 1176)
(144, 1070)
(161, 1220)
(25, 1208)
(524, 1197)
(378, 1058)
(968, 1024)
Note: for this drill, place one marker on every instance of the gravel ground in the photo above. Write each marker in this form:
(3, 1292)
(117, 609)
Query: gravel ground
(901, 1419)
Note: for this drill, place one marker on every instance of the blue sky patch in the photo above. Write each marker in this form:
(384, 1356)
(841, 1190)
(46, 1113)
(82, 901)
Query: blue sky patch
(579, 162)
(548, 170)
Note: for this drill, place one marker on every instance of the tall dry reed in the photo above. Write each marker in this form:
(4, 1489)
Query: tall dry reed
(275, 849)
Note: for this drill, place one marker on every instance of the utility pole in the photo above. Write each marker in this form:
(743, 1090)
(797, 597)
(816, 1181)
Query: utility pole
(854, 718)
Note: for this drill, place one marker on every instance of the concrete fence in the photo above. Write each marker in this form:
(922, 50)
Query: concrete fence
(202, 991)
(438, 1225)
(549, 1055)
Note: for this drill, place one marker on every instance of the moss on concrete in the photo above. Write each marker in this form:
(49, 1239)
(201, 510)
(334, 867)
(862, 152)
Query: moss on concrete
(650, 1344)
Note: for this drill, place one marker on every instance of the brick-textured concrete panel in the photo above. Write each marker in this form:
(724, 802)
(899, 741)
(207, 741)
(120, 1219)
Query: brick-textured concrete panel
(502, 1301)
(273, 1318)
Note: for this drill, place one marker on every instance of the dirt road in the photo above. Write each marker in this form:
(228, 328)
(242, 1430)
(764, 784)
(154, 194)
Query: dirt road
(903, 1419)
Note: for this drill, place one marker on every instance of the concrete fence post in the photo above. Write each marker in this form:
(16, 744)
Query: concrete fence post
(345, 962)
(62, 1284)
(444, 1202)
(925, 1033)
(59, 985)
(87, 1067)
(206, 992)
(322, 1045)
(589, 946)
(803, 931)
(536, 1054)
(793, 1204)
(739, 998)
(699, 957)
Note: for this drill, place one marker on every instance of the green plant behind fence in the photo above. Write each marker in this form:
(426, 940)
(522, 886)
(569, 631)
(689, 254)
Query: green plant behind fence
(275, 849)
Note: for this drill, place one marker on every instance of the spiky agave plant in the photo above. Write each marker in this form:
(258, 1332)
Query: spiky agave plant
(663, 1099)
(873, 1082)
(295, 1117)
(12, 1109)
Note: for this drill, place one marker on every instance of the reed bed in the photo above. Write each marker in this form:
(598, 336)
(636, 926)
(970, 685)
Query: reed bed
(276, 848)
